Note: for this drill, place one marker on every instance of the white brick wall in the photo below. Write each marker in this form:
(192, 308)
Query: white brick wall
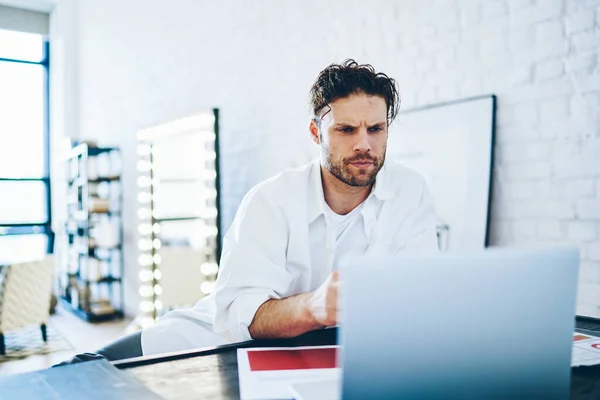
(143, 62)
(582, 231)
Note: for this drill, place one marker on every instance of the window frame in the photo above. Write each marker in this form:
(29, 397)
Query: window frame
(45, 227)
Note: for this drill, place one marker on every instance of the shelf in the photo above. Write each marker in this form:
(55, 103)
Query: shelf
(109, 213)
(89, 316)
(94, 151)
(86, 210)
(91, 151)
(177, 219)
(106, 279)
(82, 182)
(118, 246)
(105, 179)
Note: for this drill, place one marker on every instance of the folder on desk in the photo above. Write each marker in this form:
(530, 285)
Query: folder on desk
(92, 380)
(266, 373)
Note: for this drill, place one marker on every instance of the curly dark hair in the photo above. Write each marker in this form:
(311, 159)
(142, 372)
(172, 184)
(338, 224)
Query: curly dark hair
(342, 80)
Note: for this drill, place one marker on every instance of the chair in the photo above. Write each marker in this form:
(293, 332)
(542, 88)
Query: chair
(25, 291)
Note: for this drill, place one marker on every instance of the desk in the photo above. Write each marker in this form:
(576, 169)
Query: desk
(212, 374)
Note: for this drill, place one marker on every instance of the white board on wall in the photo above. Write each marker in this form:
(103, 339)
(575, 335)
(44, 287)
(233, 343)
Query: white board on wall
(451, 145)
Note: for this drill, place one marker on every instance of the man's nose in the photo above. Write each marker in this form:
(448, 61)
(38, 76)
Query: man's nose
(362, 141)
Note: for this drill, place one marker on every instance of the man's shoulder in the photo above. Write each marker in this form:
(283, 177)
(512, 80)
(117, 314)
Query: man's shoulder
(401, 179)
(287, 183)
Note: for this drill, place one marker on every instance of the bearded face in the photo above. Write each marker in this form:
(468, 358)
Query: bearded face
(352, 135)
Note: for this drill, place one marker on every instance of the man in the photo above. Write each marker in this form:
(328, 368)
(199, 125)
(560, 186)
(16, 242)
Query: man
(279, 269)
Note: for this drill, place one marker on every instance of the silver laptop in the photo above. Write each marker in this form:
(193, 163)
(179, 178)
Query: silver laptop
(497, 324)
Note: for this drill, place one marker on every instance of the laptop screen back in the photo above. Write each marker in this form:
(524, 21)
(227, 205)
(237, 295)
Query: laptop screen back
(493, 324)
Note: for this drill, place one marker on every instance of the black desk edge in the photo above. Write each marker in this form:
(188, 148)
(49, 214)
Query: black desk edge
(178, 355)
(211, 350)
(325, 336)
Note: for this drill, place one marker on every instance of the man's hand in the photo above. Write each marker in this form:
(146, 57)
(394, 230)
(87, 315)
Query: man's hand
(323, 302)
(295, 315)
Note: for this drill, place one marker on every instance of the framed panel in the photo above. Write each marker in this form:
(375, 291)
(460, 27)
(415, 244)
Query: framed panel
(451, 145)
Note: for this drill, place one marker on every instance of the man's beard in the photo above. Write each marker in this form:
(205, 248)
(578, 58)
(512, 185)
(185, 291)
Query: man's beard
(341, 169)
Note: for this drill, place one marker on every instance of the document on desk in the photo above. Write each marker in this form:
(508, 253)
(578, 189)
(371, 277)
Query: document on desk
(266, 373)
(92, 380)
(586, 350)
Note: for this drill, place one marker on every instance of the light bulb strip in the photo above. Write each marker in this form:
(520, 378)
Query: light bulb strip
(149, 228)
(153, 238)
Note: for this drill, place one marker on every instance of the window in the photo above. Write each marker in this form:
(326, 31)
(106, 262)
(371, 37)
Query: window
(24, 147)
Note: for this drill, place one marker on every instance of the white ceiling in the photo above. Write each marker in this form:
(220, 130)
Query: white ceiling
(34, 5)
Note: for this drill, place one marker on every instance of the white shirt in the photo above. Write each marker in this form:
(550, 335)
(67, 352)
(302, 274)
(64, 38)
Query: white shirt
(340, 222)
(280, 243)
(348, 232)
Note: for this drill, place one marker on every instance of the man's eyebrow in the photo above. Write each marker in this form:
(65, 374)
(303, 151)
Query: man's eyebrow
(349, 125)
(344, 125)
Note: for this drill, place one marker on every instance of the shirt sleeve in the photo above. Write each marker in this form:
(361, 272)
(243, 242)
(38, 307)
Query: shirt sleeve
(423, 235)
(253, 266)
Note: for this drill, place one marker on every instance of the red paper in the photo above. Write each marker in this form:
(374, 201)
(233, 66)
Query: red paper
(577, 338)
(278, 360)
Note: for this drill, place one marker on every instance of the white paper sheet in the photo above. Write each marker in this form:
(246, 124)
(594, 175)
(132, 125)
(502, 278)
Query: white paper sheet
(316, 390)
(586, 350)
(275, 384)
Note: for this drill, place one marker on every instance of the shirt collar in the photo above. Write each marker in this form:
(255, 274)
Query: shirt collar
(316, 197)
(382, 189)
(315, 193)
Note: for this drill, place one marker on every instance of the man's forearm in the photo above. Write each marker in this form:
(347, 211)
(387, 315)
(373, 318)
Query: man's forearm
(283, 318)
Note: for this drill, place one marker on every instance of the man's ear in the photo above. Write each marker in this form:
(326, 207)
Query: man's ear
(313, 129)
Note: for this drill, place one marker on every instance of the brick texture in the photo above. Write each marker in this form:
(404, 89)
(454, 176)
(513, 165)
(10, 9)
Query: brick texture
(145, 62)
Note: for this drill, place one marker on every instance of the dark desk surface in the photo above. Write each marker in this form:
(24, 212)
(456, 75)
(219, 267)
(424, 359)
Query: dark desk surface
(213, 374)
